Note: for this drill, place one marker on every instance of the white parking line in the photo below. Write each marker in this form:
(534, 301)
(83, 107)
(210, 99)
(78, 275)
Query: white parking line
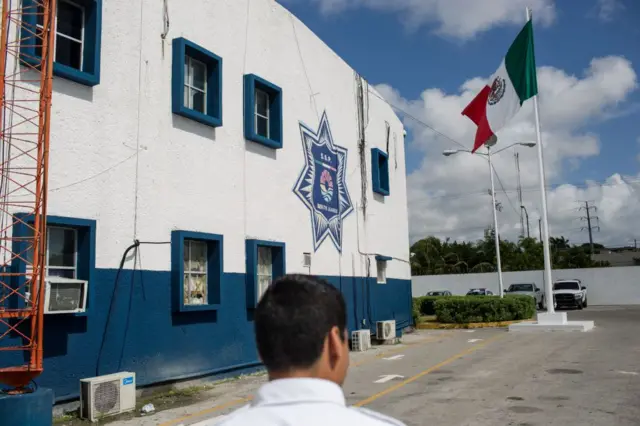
(473, 340)
(388, 377)
(628, 373)
(395, 357)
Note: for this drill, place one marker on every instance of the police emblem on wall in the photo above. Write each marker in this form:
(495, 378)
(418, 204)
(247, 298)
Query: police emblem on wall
(322, 185)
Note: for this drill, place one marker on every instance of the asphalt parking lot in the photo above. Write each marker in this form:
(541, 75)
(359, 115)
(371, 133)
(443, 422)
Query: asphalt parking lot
(484, 377)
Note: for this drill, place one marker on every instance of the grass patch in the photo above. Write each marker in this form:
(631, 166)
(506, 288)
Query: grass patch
(162, 401)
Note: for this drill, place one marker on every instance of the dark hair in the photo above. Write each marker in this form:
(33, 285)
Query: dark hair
(293, 318)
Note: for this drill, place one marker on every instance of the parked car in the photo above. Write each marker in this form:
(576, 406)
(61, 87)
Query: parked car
(439, 293)
(569, 294)
(528, 289)
(479, 292)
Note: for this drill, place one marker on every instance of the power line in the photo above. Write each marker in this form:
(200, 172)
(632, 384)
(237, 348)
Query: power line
(505, 192)
(417, 120)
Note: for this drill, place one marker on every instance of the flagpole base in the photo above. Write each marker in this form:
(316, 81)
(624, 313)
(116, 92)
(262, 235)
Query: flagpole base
(552, 318)
(556, 321)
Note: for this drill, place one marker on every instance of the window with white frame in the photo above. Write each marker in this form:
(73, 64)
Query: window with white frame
(262, 113)
(265, 269)
(381, 266)
(195, 84)
(195, 273)
(62, 253)
(69, 28)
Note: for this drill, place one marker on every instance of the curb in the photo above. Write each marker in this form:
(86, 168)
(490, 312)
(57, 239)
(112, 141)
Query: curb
(443, 326)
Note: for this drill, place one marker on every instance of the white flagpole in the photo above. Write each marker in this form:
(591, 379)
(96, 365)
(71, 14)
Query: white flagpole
(545, 219)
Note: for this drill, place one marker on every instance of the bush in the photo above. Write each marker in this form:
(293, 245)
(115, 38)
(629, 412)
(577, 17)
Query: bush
(468, 309)
(427, 304)
(415, 312)
(424, 305)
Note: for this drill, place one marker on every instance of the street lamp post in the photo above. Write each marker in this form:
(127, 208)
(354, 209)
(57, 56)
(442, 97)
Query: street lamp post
(490, 143)
(495, 223)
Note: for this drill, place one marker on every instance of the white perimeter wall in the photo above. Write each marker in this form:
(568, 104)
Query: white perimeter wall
(605, 286)
(193, 177)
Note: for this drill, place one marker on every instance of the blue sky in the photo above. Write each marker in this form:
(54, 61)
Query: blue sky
(420, 54)
(375, 43)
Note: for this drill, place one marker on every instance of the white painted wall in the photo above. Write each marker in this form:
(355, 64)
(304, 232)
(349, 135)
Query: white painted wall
(605, 286)
(191, 177)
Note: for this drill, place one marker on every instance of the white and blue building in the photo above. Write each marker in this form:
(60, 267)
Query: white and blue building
(235, 146)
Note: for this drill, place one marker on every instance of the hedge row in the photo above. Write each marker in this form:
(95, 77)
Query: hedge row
(468, 309)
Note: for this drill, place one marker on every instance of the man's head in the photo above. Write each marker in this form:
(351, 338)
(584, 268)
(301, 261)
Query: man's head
(301, 329)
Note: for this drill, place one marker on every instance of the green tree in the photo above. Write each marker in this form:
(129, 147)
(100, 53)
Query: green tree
(432, 256)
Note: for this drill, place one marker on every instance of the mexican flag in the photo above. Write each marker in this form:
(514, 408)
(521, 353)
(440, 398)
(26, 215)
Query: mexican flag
(513, 83)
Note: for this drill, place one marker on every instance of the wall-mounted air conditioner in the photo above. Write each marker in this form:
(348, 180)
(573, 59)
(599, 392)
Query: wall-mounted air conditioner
(360, 340)
(386, 330)
(108, 395)
(65, 295)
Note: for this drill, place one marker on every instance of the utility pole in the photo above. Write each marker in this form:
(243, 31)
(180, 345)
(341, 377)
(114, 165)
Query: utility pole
(540, 228)
(589, 218)
(517, 158)
(527, 216)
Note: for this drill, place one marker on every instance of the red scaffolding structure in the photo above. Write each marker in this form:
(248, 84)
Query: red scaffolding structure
(25, 114)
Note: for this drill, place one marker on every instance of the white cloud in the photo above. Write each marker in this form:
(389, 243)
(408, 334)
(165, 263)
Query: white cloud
(608, 8)
(461, 19)
(448, 196)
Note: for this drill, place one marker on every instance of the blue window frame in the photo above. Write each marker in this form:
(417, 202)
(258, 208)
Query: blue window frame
(265, 262)
(196, 267)
(84, 237)
(77, 42)
(196, 83)
(380, 171)
(262, 112)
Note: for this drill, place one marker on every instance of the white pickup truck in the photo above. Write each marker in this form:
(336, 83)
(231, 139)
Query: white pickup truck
(528, 289)
(569, 294)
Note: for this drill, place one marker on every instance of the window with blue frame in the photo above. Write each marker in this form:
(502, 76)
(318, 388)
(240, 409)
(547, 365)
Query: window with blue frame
(380, 171)
(196, 264)
(69, 256)
(265, 262)
(76, 49)
(196, 83)
(262, 111)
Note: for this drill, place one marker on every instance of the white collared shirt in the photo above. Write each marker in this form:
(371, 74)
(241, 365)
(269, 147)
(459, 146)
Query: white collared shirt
(304, 402)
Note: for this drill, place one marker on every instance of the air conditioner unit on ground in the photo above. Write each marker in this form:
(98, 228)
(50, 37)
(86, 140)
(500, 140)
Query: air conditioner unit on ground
(360, 340)
(108, 395)
(386, 330)
(65, 295)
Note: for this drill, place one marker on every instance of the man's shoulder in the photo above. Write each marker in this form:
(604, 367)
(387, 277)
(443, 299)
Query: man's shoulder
(380, 418)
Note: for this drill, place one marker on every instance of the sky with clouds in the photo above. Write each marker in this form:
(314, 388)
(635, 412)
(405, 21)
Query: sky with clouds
(430, 57)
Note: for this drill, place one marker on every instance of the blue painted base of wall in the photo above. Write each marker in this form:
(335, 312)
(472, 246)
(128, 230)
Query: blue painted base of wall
(145, 336)
(33, 409)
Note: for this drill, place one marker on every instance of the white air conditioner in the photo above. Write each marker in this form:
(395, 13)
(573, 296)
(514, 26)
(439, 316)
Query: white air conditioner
(65, 295)
(107, 395)
(360, 340)
(386, 330)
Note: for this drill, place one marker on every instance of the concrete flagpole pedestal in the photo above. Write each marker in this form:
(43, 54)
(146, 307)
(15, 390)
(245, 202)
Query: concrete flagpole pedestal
(552, 321)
